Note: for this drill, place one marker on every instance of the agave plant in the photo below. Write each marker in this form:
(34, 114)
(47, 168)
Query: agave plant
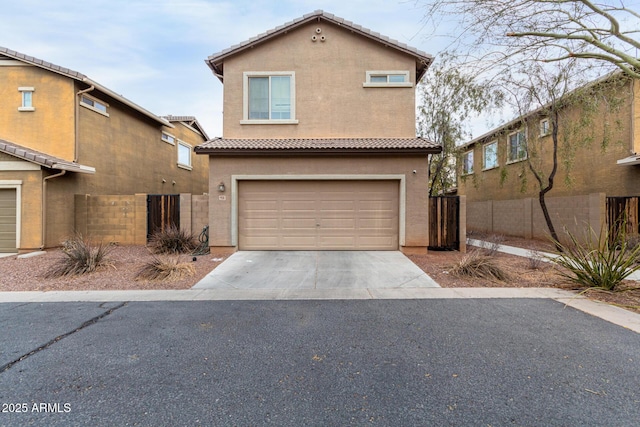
(602, 260)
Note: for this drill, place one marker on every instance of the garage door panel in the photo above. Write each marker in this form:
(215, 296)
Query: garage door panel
(308, 224)
(376, 224)
(297, 242)
(337, 215)
(8, 227)
(260, 224)
(341, 224)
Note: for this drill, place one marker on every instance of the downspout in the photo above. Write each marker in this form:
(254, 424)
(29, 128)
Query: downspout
(77, 122)
(44, 204)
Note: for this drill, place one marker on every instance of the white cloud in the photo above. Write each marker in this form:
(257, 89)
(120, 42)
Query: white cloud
(153, 51)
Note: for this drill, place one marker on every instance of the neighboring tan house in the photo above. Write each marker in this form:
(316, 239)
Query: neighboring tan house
(63, 135)
(319, 148)
(603, 163)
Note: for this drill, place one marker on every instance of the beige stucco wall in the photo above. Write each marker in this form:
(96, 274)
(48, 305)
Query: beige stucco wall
(330, 98)
(129, 156)
(635, 113)
(50, 128)
(223, 168)
(593, 168)
(30, 183)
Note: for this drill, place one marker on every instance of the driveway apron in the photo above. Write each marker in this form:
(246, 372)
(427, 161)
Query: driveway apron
(316, 270)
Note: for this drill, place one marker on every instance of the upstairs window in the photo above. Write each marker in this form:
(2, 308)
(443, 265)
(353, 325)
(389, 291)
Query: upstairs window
(94, 104)
(387, 79)
(167, 137)
(27, 99)
(490, 155)
(467, 163)
(184, 155)
(269, 98)
(517, 146)
(545, 127)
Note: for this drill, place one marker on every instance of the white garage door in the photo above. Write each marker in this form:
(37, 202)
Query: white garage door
(318, 215)
(7, 220)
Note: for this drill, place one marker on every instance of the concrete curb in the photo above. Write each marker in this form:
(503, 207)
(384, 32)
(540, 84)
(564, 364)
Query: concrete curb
(604, 311)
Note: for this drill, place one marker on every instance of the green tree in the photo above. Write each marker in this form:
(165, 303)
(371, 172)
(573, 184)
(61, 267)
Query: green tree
(447, 99)
(542, 93)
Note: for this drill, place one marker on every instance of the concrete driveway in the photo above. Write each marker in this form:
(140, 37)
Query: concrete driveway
(301, 270)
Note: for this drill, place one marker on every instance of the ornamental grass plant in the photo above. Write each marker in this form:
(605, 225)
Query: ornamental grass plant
(80, 257)
(172, 240)
(168, 269)
(479, 265)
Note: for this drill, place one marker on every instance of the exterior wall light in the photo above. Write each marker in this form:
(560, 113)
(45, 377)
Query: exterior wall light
(221, 187)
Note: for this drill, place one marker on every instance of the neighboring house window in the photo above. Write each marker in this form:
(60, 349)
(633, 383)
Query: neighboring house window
(387, 79)
(269, 98)
(27, 99)
(517, 146)
(490, 155)
(467, 163)
(167, 137)
(545, 127)
(184, 155)
(94, 104)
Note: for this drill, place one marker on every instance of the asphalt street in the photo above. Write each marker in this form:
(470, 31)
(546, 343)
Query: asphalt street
(478, 362)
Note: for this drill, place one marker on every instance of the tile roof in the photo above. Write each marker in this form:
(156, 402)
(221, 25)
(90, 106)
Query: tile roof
(42, 159)
(222, 145)
(190, 121)
(42, 64)
(214, 60)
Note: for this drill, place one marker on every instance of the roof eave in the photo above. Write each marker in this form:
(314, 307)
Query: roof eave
(215, 61)
(316, 151)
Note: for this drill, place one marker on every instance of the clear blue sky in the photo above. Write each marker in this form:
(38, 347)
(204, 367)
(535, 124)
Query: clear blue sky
(153, 51)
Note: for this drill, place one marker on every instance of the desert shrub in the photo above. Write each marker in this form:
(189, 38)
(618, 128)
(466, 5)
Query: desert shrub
(492, 244)
(165, 269)
(172, 240)
(80, 257)
(599, 261)
(479, 265)
(534, 260)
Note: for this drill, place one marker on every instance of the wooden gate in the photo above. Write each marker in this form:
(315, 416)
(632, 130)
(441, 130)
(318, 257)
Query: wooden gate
(163, 211)
(444, 223)
(623, 210)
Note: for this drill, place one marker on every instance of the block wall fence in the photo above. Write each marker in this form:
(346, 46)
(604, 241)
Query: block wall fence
(524, 218)
(122, 219)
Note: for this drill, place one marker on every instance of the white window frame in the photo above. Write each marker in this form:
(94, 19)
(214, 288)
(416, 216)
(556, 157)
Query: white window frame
(245, 99)
(188, 146)
(379, 73)
(519, 159)
(485, 167)
(548, 126)
(94, 101)
(464, 163)
(168, 138)
(27, 101)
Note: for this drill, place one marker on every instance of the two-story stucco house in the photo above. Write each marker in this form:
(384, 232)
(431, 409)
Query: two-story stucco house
(319, 148)
(598, 165)
(63, 135)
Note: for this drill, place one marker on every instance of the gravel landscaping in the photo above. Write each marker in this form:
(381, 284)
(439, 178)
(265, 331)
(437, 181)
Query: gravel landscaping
(28, 274)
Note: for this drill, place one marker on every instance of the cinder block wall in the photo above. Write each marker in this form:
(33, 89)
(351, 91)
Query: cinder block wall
(199, 213)
(524, 218)
(107, 218)
(123, 219)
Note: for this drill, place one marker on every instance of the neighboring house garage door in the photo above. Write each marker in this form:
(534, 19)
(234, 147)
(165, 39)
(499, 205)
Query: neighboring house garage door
(7, 220)
(318, 215)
